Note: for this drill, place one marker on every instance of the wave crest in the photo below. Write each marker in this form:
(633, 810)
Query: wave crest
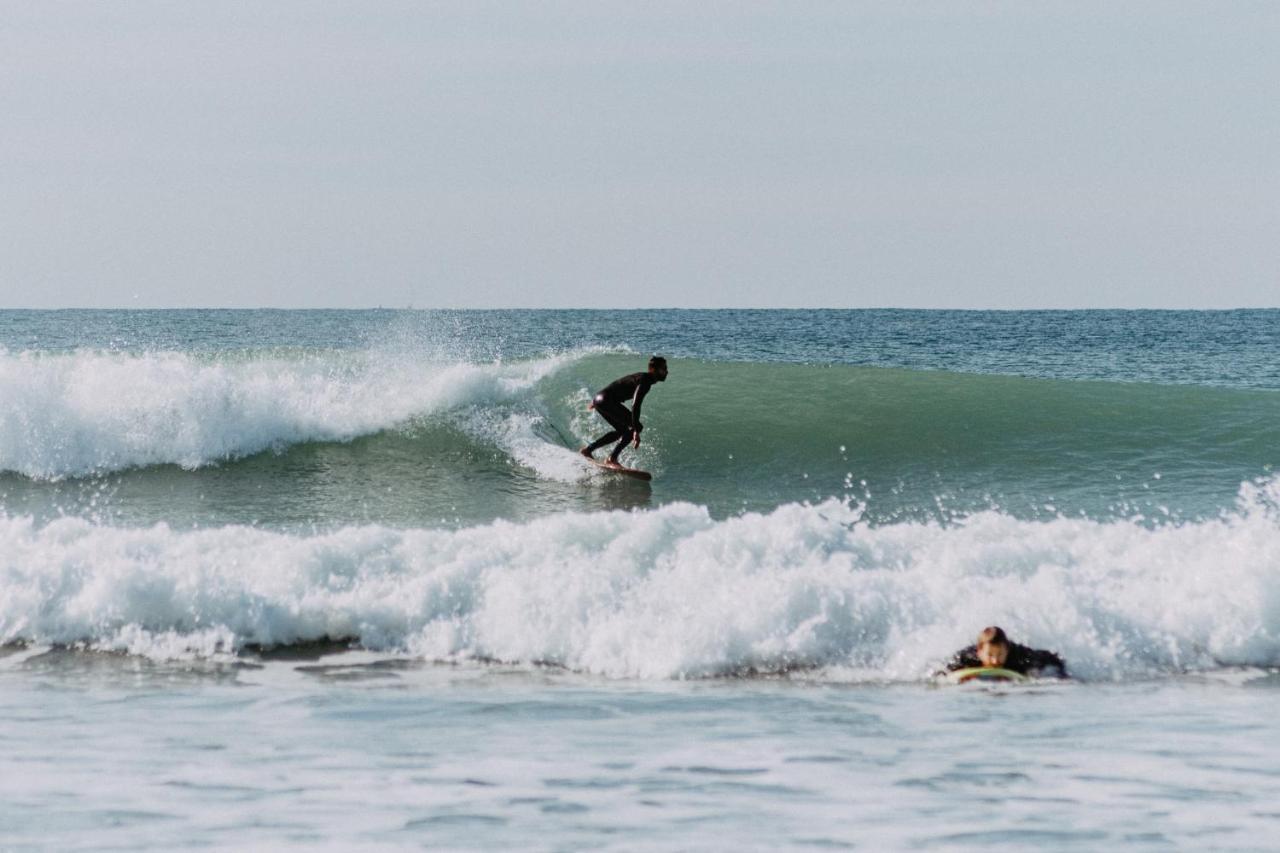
(90, 412)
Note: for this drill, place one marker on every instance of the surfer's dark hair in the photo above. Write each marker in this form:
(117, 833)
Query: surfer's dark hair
(994, 634)
(656, 362)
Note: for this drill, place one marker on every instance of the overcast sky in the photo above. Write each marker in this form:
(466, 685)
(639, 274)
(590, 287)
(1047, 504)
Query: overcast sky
(639, 154)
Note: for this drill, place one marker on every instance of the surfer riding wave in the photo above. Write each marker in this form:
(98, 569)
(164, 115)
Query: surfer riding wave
(608, 403)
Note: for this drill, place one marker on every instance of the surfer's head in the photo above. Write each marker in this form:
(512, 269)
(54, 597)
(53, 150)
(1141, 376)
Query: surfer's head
(993, 646)
(658, 368)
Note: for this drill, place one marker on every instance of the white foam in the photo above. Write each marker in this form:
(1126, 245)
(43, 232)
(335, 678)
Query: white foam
(670, 592)
(69, 415)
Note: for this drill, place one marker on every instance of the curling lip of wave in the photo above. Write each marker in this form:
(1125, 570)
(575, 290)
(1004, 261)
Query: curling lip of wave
(670, 593)
(89, 412)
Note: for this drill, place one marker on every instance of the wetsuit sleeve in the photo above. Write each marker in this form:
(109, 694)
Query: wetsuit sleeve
(963, 659)
(1048, 665)
(642, 388)
(1037, 663)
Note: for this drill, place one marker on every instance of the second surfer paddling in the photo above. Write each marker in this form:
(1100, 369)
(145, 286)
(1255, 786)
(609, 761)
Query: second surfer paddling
(626, 424)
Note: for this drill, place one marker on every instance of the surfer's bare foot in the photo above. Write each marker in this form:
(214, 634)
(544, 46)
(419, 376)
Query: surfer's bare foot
(586, 453)
(613, 463)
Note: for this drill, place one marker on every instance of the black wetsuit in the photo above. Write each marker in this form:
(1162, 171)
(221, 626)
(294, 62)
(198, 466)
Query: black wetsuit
(625, 423)
(1036, 663)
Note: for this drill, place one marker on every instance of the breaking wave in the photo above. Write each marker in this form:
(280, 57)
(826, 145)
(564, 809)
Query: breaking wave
(671, 592)
(90, 412)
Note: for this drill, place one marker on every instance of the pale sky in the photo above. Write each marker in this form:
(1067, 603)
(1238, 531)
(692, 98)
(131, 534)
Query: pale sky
(615, 155)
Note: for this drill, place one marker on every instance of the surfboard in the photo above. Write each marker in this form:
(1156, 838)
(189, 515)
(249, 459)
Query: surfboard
(619, 469)
(984, 673)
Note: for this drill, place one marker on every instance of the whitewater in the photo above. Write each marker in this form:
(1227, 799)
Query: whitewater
(93, 412)
(666, 594)
(339, 578)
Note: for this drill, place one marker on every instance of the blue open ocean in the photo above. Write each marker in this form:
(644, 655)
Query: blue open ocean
(338, 580)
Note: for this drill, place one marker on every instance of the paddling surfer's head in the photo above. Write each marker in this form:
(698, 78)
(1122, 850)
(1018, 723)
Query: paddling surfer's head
(993, 647)
(658, 368)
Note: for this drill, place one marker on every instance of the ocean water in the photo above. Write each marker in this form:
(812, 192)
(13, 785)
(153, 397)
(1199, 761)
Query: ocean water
(338, 580)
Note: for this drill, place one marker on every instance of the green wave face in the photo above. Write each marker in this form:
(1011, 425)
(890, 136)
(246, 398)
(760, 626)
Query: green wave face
(930, 442)
(733, 436)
